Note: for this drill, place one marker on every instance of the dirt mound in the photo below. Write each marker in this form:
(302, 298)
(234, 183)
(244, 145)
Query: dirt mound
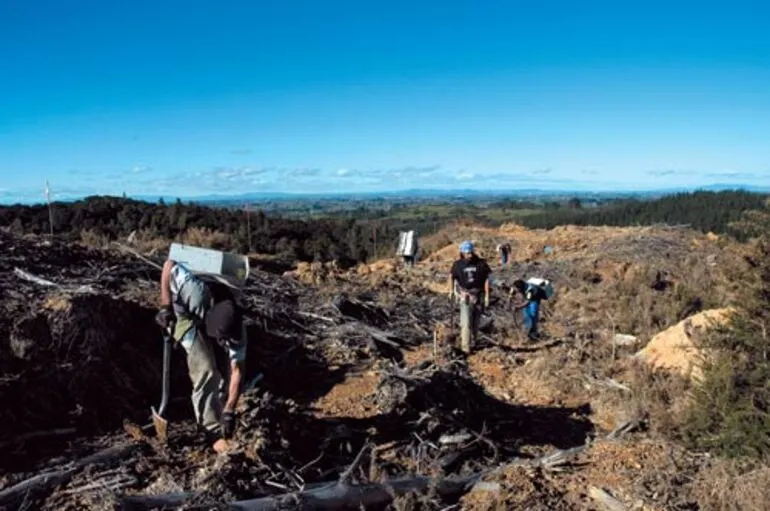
(674, 349)
(87, 365)
(314, 273)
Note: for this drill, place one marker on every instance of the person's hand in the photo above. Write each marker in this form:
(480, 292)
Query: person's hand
(228, 424)
(165, 317)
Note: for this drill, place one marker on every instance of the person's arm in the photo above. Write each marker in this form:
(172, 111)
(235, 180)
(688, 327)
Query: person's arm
(527, 298)
(237, 370)
(165, 316)
(234, 389)
(520, 303)
(237, 358)
(165, 283)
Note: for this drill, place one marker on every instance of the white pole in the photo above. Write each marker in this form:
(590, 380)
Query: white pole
(50, 210)
(247, 207)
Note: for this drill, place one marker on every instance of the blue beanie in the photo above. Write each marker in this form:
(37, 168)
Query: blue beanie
(466, 247)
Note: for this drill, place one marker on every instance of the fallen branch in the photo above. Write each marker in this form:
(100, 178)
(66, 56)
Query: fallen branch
(138, 255)
(624, 428)
(38, 434)
(356, 462)
(316, 316)
(47, 283)
(111, 485)
(332, 496)
(33, 278)
(336, 495)
(605, 499)
(51, 480)
(608, 383)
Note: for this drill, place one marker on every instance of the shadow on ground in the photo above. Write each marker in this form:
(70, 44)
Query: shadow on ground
(418, 414)
(290, 369)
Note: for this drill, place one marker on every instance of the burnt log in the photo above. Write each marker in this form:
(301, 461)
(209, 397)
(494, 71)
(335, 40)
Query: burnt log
(331, 496)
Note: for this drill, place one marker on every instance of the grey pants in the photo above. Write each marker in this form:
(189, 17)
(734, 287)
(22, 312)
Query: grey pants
(206, 381)
(470, 312)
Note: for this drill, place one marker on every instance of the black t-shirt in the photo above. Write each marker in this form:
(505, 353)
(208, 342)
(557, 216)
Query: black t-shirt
(471, 273)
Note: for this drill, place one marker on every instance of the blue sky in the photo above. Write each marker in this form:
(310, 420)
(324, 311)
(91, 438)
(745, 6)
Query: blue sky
(191, 98)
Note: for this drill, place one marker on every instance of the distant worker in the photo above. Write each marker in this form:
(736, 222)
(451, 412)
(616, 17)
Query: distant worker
(410, 259)
(408, 248)
(531, 296)
(470, 280)
(504, 249)
(198, 319)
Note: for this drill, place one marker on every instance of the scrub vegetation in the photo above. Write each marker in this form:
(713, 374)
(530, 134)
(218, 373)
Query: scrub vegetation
(360, 235)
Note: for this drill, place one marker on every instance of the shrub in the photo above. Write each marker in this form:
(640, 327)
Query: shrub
(729, 412)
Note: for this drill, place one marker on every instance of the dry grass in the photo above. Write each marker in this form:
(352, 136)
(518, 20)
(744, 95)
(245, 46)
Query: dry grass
(92, 239)
(659, 396)
(732, 486)
(203, 237)
(149, 243)
(57, 302)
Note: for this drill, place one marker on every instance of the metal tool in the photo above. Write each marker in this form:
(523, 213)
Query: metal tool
(158, 419)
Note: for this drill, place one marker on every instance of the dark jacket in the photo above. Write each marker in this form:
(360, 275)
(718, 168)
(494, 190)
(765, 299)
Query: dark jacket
(471, 273)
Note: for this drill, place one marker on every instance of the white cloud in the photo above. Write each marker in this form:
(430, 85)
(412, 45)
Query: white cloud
(234, 173)
(732, 175)
(301, 172)
(140, 169)
(464, 176)
(670, 172)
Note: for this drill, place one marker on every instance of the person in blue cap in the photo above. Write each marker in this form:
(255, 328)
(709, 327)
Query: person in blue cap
(469, 281)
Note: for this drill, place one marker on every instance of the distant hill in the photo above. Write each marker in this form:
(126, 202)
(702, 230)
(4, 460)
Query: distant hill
(459, 193)
(428, 194)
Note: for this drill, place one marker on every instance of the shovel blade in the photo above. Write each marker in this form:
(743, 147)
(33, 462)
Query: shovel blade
(161, 426)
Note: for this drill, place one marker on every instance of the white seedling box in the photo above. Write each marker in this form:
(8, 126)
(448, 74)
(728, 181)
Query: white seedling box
(406, 244)
(206, 261)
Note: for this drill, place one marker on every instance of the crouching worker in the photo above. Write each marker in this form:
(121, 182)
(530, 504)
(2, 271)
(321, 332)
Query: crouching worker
(531, 296)
(199, 321)
(471, 275)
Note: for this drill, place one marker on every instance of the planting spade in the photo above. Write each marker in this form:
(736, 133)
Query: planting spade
(158, 419)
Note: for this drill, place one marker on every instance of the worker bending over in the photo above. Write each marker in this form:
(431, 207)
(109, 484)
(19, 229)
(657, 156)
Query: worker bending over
(199, 320)
(531, 296)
